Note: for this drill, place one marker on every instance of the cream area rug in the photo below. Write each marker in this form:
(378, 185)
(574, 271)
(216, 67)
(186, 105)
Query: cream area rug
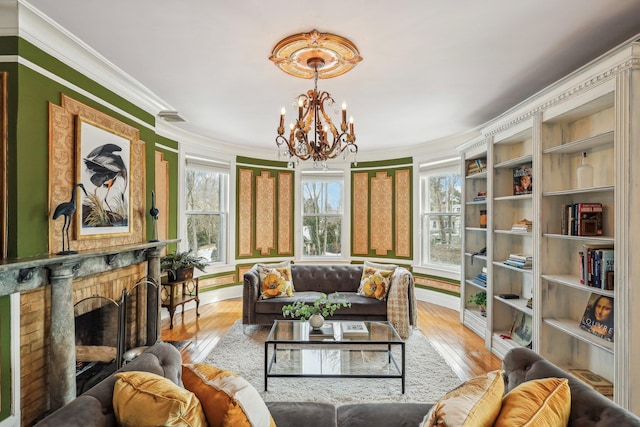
(428, 376)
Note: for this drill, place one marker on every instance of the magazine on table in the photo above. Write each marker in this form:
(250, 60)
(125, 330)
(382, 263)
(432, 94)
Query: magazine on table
(354, 328)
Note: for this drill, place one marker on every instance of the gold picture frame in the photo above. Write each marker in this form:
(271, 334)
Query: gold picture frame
(103, 166)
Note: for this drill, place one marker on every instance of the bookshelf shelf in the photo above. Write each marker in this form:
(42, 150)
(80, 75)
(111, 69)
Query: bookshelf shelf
(514, 198)
(594, 239)
(508, 267)
(475, 203)
(513, 162)
(484, 230)
(570, 327)
(514, 233)
(600, 189)
(574, 282)
(479, 175)
(583, 144)
(519, 304)
(475, 285)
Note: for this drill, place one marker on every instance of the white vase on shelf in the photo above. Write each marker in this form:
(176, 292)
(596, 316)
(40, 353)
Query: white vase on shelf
(585, 173)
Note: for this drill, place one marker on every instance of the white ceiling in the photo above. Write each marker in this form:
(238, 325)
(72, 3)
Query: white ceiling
(431, 68)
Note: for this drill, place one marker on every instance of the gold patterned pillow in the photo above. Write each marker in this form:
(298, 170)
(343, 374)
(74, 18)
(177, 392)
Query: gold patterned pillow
(476, 403)
(543, 402)
(375, 282)
(143, 399)
(275, 281)
(227, 399)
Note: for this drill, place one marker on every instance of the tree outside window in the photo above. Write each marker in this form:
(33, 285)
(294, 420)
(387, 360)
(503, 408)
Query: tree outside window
(322, 216)
(206, 212)
(441, 202)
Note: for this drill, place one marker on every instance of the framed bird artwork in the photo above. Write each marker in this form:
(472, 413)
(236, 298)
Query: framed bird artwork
(104, 168)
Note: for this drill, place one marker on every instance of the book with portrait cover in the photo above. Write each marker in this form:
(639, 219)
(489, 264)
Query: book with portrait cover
(598, 316)
(522, 179)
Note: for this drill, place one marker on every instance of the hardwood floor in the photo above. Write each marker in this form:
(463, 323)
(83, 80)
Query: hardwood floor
(461, 348)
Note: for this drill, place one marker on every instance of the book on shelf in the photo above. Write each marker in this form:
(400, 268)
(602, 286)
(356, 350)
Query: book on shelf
(582, 219)
(519, 261)
(480, 197)
(594, 381)
(598, 316)
(325, 331)
(522, 179)
(522, 225)
(476, 166)
(596, 261)
(353, 329)
(522, 329)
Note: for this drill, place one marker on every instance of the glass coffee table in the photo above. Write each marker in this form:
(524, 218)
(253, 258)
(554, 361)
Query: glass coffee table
(290, 351)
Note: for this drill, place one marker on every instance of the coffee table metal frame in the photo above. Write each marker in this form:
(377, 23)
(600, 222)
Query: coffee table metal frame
(302, 342)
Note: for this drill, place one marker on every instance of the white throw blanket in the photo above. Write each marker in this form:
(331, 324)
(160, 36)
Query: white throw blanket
(401, 302)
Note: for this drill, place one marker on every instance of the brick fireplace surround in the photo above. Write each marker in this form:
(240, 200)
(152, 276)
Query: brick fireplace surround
(49, 286)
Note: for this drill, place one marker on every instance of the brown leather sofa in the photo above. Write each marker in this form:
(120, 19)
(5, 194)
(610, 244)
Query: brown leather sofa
(588, 408)
(310, 281)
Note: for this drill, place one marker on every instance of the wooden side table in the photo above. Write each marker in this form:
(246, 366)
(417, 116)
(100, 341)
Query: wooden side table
(178, 293)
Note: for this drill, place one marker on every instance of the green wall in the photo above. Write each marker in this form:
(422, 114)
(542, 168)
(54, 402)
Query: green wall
(5, 358)
(28, 138)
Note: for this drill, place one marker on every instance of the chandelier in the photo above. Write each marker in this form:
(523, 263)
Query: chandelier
(313, 134)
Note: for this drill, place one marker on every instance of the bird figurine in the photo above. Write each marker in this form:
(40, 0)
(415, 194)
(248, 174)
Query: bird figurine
(154, 212)
(67, 209)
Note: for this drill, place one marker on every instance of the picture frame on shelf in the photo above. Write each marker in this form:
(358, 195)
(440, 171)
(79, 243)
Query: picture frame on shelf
(598, 317)
(523, 179)
(522, 329)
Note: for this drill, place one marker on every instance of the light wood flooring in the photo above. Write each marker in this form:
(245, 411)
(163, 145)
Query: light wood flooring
(463, 350)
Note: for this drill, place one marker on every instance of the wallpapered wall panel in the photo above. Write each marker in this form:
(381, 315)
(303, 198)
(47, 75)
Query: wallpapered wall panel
(265, 211)
(382, 212)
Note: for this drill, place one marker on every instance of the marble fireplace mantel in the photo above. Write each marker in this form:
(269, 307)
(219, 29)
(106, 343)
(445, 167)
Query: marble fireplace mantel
(20, 275)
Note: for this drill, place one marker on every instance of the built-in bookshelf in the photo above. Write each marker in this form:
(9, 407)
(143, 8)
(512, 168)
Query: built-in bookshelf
(577, 227)
(573, 134)
(474, 236)
(511, 153)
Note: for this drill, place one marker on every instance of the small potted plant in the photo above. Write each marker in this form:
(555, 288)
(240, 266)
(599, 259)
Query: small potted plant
(317, 311)
(479, 299)
(180, 265)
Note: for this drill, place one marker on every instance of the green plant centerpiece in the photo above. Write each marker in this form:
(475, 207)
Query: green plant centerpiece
(317, 311)
(180, 265)
(479, 299)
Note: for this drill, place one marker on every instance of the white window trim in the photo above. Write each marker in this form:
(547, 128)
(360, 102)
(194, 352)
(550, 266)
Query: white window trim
(329, 174)
(434, 167)
(222, 163)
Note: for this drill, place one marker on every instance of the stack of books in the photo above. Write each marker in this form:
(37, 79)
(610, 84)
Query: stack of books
(597, 266)
(523, 225)
(519, 261)
(481, 278)
(594, 381)
(480, 197)
(582, 219)
(476, 166)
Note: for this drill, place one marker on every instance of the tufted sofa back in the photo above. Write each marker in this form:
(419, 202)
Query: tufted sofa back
(326, 278)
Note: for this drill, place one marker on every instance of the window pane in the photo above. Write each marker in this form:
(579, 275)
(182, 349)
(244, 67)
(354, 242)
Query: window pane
(203, 190)
(322, 197)
(205, 236)
(322, 236)
(444, 193)
(441, 244)
(322, 217)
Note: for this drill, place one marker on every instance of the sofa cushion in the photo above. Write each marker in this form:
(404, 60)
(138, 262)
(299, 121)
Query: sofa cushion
(143, 399)
(475, 403)
(360, 305)
(227, 399)
(382, 414)
(375, 282)
(307, 414)
(275, 281)
(544, 402)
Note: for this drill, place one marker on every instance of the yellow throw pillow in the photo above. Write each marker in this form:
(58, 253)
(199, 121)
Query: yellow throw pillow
(227, 399)
(476, 403)
(142, 399)
(375, 282)
(540, 403)
(275, 281)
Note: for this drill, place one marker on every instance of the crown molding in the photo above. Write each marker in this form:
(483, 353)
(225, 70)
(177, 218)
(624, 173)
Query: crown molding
(44, 33)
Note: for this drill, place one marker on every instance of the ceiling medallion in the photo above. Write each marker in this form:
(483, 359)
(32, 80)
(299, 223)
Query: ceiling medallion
(313, 134)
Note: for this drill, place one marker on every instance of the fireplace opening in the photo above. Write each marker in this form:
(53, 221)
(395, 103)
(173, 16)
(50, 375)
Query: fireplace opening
(106, 329)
